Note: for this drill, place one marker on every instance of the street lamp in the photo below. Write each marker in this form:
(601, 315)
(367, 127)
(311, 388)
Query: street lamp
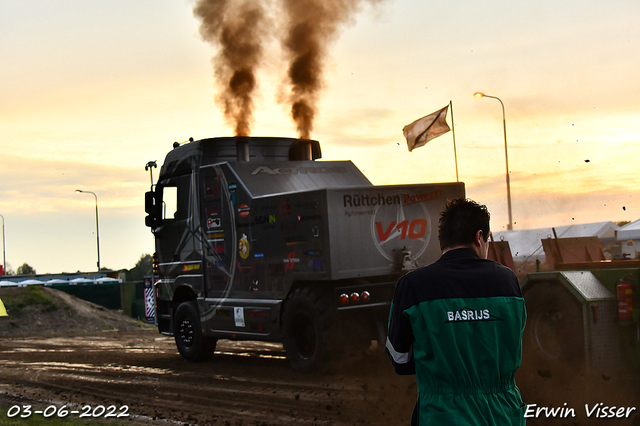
(78, 191)
(4, 257)
(506, 155)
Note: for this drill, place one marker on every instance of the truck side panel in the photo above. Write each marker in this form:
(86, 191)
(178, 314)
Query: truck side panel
(369, 227)
(255, 248)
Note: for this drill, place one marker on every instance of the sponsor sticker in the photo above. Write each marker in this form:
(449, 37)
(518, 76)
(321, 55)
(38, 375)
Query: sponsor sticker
(290, 261)
(238, 316)
(243, 210)
(189, 268)
(214, 222)
(243, 246)
(395, 225)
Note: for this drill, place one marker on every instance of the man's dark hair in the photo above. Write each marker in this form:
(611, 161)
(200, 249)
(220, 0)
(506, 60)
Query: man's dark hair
(460, 221)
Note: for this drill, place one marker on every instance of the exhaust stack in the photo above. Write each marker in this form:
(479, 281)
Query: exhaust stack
(306, 153)
(242, 150)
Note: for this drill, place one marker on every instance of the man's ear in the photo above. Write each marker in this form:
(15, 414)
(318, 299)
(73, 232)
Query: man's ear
(480, 245)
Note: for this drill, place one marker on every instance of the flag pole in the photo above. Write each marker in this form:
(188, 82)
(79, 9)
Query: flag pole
(453, 129)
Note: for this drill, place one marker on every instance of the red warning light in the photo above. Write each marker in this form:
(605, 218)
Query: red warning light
(344, 299)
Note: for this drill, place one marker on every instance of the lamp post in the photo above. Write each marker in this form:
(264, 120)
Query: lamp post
(506, 155)
(4, 257)
(78, 191)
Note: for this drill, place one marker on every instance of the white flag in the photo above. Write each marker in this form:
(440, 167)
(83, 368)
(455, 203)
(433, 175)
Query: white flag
(426, 128)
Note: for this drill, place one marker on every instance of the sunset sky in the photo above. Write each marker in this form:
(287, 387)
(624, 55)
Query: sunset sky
(92, 91)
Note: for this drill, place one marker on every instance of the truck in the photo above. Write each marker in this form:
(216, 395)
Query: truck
(582, 310)
(256, 239)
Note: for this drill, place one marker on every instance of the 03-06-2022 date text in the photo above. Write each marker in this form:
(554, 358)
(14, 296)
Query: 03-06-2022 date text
(85, 411)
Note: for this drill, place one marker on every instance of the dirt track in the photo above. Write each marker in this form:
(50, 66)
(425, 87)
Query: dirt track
(44, 360)
(245, 383)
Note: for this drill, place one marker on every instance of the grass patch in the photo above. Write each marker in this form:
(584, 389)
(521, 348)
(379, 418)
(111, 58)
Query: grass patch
(16, 301)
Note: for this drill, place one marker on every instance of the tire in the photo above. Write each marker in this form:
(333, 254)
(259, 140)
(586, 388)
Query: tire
(187, 330)
(554, 334)
(308, 323)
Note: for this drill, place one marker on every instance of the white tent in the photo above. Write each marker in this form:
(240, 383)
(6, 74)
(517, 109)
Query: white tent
(56, 281)
(30, 282)
(628, 237)
(108, 280)
(630, 231)
(81, 281)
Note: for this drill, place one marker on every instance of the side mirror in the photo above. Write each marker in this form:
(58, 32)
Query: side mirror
(150, 208)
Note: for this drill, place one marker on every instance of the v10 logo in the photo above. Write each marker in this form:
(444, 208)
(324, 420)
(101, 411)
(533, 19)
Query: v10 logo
(414, 229)
(398, 226)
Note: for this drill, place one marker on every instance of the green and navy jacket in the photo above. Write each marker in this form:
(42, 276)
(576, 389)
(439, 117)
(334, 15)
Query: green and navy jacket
(457, 325)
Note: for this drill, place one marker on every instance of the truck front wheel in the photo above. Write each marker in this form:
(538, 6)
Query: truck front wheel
(307, 326)
(191, 343)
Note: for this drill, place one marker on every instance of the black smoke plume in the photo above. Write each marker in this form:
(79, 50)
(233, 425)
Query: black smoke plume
(239, 28)
(312, 25)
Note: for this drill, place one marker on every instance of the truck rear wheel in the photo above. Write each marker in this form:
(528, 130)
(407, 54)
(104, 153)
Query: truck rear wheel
(191, 343)
(554, 330)
(307, 326)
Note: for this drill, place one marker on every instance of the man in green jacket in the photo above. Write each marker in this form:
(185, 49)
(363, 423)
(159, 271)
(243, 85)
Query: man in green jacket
(457, 325)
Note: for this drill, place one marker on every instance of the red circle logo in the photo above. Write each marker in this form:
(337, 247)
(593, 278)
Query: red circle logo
(243, 210)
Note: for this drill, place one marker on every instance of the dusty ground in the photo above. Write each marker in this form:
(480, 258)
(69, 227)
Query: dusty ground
(83, 354)
(43, 311)
(245, 384)
(122, 362)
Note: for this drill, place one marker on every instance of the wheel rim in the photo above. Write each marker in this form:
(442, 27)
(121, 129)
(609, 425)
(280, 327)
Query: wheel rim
(304, 335)
(186, 332)
(549, 332)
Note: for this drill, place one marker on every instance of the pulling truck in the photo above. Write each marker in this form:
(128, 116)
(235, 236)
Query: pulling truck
(256, 240)
(581, 313)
